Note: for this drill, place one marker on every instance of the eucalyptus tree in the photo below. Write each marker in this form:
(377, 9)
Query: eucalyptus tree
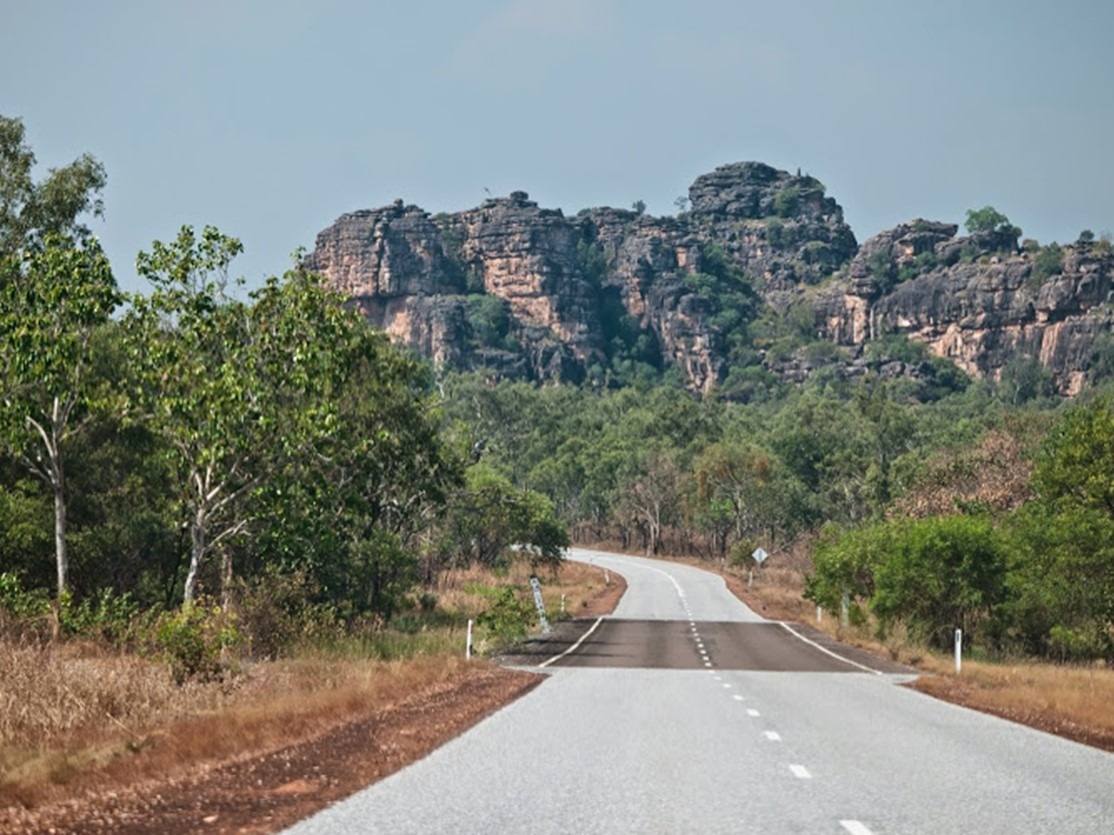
(56, 288)
(29, 210)
(234, 387)
(52, 298)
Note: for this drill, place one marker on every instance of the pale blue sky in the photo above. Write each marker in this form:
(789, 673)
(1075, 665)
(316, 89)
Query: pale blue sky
(269, 118)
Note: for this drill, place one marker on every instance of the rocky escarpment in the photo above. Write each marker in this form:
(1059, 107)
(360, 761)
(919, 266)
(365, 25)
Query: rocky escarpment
(759, 279)
(524, 291)
(978, 300)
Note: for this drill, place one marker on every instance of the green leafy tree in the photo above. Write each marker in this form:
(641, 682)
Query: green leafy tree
(1076, 466)
(52, 299)
(943, 573)
(489, 515)
(31, 211)
(233, 389)
(986, 219)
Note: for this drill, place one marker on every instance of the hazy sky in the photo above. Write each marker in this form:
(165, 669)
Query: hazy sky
(269, 118)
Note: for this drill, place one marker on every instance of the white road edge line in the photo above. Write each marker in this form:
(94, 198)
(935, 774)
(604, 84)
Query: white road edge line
(575, 646)
(827, 651)
(855, 828)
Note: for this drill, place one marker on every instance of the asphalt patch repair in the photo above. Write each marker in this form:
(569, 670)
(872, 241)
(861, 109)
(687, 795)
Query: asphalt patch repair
(681, 645)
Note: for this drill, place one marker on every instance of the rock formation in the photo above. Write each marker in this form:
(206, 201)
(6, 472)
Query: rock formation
(525, 292)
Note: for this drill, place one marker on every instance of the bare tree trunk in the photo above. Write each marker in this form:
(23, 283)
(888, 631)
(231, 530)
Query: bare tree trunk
(60, 552)
(226, 577)
(197, 551)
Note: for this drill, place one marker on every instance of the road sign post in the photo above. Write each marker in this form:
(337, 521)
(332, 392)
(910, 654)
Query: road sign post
(537, 587)
(468, 643)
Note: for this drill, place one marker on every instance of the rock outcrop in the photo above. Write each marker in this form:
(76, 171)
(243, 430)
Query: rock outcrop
(976, 300)
(525, 292)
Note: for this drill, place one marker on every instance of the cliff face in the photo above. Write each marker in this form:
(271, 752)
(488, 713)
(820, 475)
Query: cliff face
(525, 292)
(976, 300)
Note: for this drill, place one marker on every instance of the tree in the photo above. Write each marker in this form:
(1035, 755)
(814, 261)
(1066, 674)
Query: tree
(30, 211)
(989, 219)
(52, 298)
(638, 207)
(1075, 467)
(489, 515)
(652, 495)
(358, 512)
(233, 389)
(942, 573)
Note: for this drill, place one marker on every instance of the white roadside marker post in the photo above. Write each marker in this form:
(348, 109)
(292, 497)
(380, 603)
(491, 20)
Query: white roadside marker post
(468, 643)
(819, 614)
(958, 650)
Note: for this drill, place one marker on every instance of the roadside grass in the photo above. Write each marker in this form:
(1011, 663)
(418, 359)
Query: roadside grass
(75, 715)
(1069, 700)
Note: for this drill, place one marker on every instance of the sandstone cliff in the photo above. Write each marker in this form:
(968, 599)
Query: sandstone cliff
(977, 300)
(521, 291)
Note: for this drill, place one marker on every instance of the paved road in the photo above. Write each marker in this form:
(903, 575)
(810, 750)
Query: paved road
(731, 748)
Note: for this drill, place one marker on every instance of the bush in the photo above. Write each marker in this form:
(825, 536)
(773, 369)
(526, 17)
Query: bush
(106, 616)
(508, 617)
(787, 201)
(942, 573)
(193, 639)
(1048, 262)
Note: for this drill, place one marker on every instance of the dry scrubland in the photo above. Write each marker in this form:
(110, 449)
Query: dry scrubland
(77, 717)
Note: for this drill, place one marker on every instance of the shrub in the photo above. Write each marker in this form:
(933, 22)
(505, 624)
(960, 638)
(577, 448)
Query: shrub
(942, 573)
(787, 201)
(1049, 261)
(193, 639)
(508, 617)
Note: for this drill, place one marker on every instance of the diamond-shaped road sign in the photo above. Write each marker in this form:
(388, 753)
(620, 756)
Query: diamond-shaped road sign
(759, 555)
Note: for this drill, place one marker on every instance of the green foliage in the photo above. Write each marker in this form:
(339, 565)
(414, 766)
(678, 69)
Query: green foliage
(986, 219)
(944, 573)
(509, 616)
(1061, 582)
(1048, 262)
(52, 299)
(845, 562)
(193, 639)
(490, 515)
(19, 602)
(1023, 380)
(787, 201)
(30, 211)
(105, 616)
(488, 319)
(1076, 466)
(592, 261)
(638, 207)
(776, 233)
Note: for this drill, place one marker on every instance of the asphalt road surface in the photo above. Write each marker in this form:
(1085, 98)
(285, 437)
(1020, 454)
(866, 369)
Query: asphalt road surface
(686, 712)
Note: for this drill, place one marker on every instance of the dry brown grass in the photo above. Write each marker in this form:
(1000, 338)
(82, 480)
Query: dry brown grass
(458, 590)
(96, 736)
(74, 715)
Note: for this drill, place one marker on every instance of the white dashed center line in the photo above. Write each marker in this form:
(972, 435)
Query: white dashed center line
(773, 736)
(737, 697)
(752, 712)
(800, 771)
(855, 828)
